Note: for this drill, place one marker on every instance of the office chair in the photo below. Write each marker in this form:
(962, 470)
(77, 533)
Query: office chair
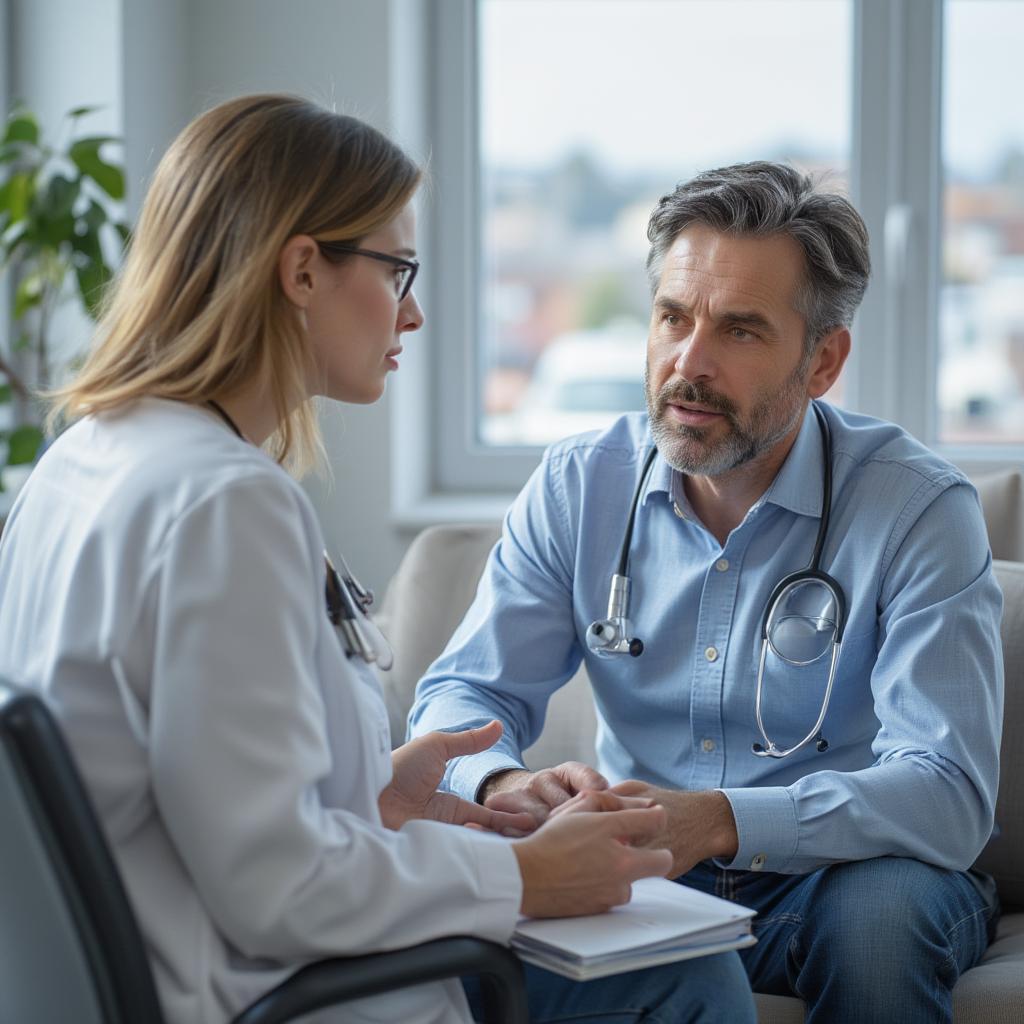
(70, 947)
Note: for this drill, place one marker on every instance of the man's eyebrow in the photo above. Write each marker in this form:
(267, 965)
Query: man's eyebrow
(668, 305)
(748, 318)
(745, 317)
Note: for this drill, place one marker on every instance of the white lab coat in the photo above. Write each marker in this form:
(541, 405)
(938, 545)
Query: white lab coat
(162, 582)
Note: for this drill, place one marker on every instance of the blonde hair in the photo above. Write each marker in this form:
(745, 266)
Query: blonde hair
(197, 310)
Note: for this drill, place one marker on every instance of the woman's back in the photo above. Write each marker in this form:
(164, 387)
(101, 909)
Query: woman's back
(161, 583)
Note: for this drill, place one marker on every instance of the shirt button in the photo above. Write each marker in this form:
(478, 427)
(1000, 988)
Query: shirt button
(678, 511)
(722, 564)
(758, 862)
(711, 654)
(708, 746)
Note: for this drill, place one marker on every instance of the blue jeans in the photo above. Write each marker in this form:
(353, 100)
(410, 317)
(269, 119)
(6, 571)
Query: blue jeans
(873, 940)
(711, 989)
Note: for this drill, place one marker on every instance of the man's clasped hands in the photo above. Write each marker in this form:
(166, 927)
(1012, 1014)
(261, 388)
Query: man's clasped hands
(580, 843)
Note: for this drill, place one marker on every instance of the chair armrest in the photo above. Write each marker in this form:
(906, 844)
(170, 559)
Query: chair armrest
(338, 980)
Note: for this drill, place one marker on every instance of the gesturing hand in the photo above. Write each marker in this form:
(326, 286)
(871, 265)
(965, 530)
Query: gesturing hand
(584, 861)
(539, 793)
(417, 769)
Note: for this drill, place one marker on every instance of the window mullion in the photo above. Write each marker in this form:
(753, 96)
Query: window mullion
(896, 185)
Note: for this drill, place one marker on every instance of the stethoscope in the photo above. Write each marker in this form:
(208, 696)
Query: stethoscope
(802, 623)
(348, 601)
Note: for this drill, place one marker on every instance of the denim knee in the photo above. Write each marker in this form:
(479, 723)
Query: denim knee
(888, 928)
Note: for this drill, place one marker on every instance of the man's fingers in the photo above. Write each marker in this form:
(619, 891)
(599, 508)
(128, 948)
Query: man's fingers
(638, 824)
(470, 741)
(519, 801)
(578, 776)
(649, 863)
(602, 800)
(631, 787)
(550, 788)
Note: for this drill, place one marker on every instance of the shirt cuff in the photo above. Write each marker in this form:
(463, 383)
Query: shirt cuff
(500, 888)
(467, 774)
(766, 825)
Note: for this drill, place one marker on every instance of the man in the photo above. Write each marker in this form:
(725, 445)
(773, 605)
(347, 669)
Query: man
(854, 846)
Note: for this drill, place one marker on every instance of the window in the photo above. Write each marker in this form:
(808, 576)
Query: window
(553, 128)
(981, 313)
(583, 126)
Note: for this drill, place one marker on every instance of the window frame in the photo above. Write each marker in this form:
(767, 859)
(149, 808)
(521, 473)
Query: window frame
(441, 472)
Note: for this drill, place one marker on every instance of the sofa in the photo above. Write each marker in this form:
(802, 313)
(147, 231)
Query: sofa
(437, 581)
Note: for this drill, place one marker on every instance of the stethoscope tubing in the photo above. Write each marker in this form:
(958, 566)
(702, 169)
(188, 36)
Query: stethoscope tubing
(618, 604)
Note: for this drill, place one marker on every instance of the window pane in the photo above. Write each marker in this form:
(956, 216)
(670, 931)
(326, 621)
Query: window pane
(981, 312)
(590, 111)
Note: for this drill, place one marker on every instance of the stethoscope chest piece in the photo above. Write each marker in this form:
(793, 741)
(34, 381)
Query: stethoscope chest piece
(803, 621)
(348, 605)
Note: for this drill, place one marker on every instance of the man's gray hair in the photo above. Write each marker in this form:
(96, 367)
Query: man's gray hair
(763, 198)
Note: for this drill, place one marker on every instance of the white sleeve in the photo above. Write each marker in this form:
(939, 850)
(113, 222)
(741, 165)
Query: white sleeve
(238, 744)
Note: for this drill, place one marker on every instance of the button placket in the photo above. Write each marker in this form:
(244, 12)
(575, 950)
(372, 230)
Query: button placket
(714, 622)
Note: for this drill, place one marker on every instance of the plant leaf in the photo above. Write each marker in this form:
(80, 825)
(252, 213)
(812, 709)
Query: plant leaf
(16, 195)
(22, 127)
(5, 393)
(23, 445)
(95, 216)
(93, 277)
(82, 111)
(53, 220)
(85, 154)
(28, 294)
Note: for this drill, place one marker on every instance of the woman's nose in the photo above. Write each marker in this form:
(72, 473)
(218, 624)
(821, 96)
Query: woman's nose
(410, 314)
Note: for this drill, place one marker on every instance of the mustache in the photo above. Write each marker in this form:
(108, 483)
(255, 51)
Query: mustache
(688, 393)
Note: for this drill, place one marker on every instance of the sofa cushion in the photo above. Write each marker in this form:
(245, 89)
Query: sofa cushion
(1003, 858)
(1002, 503)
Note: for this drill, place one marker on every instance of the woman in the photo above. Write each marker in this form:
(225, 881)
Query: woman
(162, 582)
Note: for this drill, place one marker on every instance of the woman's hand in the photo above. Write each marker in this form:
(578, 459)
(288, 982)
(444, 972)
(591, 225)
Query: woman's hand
(418, 767)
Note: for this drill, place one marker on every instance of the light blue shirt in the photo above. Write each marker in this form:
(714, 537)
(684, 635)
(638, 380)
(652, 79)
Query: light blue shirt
(915, 717)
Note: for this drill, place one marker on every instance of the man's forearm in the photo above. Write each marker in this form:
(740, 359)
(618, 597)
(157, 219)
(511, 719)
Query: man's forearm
(700, 825)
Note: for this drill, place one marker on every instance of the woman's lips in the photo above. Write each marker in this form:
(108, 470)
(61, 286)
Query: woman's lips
(391, 357)
(692, 417)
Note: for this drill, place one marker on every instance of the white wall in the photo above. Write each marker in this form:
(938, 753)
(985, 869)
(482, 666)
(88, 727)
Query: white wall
(154, 64)
(336, 52)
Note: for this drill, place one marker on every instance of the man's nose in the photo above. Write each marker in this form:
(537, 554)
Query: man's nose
(696, 358)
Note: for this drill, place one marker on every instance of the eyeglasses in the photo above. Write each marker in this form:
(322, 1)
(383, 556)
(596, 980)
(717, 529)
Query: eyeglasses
(405, 269)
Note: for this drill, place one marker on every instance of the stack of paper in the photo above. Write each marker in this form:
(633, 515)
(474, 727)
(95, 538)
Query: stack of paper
(663, 922)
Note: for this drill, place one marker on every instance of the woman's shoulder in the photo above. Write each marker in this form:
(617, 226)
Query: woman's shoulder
(154, 461)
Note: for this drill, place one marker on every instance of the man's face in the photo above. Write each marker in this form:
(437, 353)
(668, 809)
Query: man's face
(726, 373)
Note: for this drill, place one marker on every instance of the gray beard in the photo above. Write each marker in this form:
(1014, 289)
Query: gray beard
(687, 450)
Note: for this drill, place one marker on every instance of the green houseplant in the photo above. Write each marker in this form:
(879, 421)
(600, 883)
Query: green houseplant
(56, 204)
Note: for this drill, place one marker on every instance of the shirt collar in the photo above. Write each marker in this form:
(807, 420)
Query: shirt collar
(797, 485)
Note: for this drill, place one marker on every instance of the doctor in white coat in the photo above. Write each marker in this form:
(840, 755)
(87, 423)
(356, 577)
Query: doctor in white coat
(162, 583)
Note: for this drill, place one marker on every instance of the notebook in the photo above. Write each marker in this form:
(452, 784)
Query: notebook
(663, 922)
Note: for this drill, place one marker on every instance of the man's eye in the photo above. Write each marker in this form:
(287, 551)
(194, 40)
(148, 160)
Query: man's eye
(740, 333)
(671, 319)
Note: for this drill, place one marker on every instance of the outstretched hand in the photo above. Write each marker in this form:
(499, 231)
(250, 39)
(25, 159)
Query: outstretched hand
(417, 769)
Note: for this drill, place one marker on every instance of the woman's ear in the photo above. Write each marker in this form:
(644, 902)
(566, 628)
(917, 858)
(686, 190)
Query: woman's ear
(295, 269)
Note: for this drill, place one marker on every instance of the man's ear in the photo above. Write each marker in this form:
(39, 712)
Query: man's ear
(827, 361)
(295, 269)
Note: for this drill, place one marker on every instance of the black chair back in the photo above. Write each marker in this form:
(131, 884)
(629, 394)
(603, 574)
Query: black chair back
(70, 949)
